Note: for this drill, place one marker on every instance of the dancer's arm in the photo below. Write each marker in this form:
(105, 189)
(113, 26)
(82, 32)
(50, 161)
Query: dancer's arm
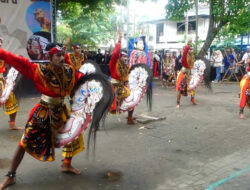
(23, 65)
(114, 57)
(184, 56)
(67, 59)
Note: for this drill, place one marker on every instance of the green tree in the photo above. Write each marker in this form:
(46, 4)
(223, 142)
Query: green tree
(231, 16)
(88, 21)
(90, 4)
(84, 24)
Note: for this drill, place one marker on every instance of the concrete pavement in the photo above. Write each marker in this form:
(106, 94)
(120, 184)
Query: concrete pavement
(195, 148)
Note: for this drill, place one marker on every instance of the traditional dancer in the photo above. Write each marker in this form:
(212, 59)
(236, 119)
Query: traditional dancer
(184, 76)
(55, 81)
(119, 70)
(245, 91)
(76, 58)
(168, 72)
(11, 105)
(129, 83)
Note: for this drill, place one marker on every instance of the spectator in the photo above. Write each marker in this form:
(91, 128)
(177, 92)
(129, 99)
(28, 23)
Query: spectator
(217, 60)
(99, 57)
(245, 58)
(174, 56)
(156, 61)
(105, 65)
(178, 64)
(228, 60)
(107, 57)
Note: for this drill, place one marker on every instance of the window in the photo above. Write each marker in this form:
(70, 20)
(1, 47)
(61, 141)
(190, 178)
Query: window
(181, 27)
(159, 31)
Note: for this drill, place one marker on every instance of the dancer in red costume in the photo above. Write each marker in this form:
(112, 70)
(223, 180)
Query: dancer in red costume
(119, 71)
(245, 91)
(184, 75)
(55, 81)
(76, 58)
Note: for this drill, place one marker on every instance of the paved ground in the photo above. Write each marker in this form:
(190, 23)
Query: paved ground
(195, 148)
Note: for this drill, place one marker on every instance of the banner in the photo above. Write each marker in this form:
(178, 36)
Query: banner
(25, 26)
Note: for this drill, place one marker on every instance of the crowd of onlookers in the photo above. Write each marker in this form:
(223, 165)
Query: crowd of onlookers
(100, 58)
(165, 64)
(230, 63)
(226, 64)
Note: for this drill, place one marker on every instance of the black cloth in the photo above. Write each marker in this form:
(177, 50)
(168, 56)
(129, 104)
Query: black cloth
(107, 58)
(99, 58)
(178, 64)
(213, 73)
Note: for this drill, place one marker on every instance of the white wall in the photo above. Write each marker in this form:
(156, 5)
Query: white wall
(171, 39)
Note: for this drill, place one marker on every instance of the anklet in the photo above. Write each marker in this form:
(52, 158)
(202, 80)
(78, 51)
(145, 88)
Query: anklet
(11, 174)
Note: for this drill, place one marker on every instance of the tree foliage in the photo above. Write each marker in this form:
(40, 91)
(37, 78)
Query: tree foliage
(228, 16)
(84, 24)
(88, 22)
(90, 4)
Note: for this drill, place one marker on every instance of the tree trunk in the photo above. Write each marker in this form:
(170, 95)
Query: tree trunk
(212, 32)
(210, 37)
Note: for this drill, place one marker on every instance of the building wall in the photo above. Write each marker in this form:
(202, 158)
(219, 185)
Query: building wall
(171, 39)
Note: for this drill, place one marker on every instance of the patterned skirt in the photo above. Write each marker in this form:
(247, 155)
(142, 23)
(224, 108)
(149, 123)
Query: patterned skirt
(39, 136)
(121, 92)
(182, 84)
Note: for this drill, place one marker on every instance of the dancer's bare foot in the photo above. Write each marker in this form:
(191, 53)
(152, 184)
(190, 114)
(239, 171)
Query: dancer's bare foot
(131, 122)
(194, 102)
(12, 126)
(70, 169)
(15, 128)
(177, 106)
(7, 182)
(242, 116)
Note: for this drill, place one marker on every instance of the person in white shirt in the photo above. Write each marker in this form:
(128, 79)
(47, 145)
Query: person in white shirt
(217, 60)
(245, 58)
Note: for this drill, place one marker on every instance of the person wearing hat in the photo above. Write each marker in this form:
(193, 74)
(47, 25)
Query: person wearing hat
(54, 81)
(11, 105)
(119, 71)
(76, 58)
(184, 75)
